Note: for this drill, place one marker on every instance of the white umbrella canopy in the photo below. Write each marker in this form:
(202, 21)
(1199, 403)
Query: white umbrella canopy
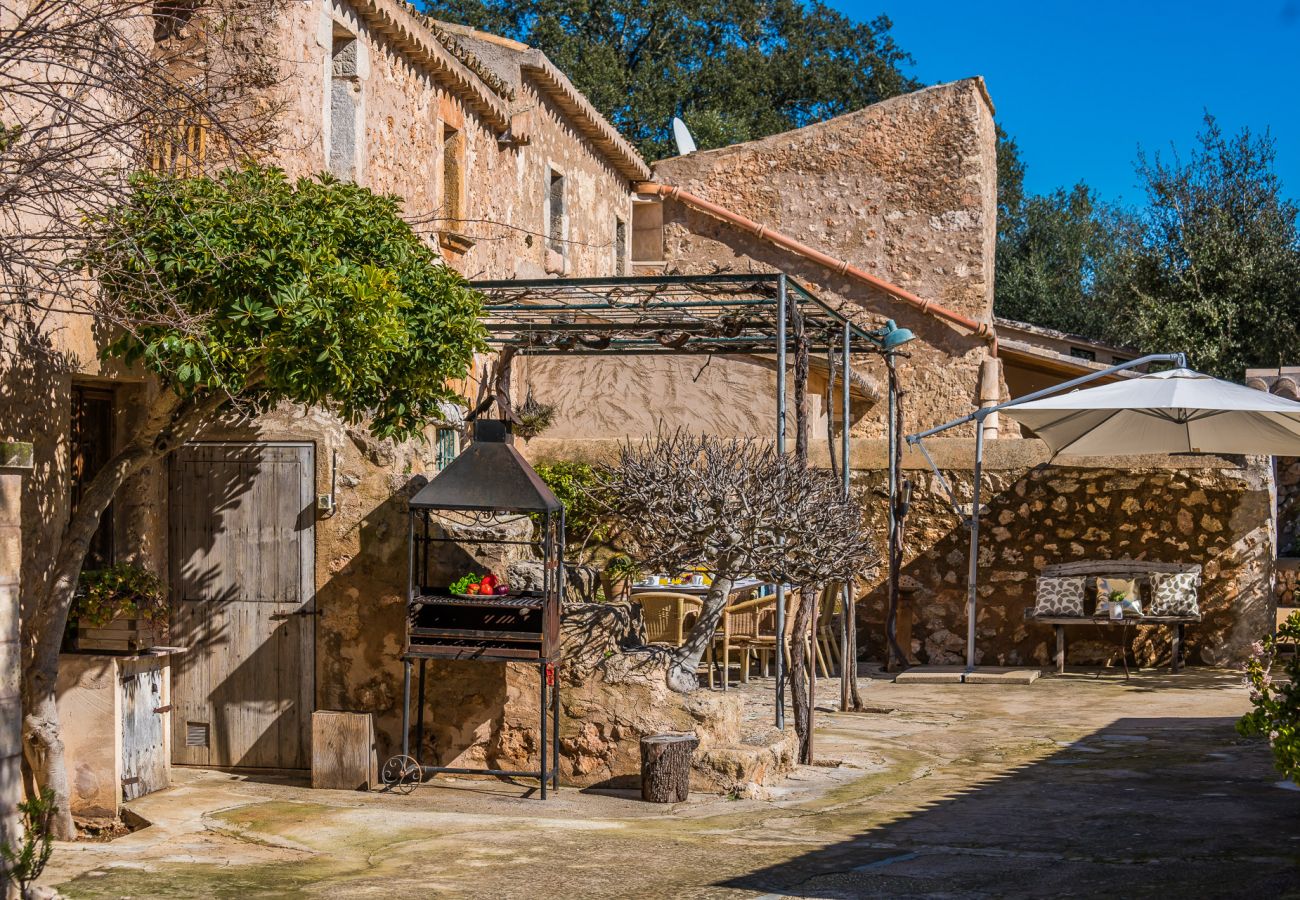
(1177, 411)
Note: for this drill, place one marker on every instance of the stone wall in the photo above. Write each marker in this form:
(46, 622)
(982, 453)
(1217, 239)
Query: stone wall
(1199, 509)
(1208, 510)
(405, 108)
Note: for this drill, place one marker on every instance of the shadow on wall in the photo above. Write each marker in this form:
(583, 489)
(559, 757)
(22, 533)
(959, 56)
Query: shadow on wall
(1052, 514)
(35, 404)
(1143, 807)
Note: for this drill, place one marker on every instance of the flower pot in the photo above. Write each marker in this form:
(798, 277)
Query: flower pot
(615, 587)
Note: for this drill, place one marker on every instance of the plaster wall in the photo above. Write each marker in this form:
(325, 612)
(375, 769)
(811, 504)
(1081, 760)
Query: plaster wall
(14, 460)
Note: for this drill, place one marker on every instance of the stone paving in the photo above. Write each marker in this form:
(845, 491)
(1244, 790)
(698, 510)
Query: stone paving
(1083, 785)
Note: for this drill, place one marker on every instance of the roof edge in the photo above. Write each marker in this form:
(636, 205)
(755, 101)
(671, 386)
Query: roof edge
(594, 126)
(460, 71)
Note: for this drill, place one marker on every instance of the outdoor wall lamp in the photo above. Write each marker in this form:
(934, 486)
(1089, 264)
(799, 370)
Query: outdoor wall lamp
(891, 336)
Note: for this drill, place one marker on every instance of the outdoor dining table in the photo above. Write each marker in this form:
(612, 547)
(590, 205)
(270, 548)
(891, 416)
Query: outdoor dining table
(739, 586)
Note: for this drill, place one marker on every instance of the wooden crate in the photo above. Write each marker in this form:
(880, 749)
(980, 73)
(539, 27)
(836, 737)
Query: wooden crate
(343, 752)
(122, 636)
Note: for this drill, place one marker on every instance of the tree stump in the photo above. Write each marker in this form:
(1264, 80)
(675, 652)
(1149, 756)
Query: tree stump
(666, 767)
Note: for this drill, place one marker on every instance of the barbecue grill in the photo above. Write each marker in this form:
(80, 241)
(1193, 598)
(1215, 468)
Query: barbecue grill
(460, 514)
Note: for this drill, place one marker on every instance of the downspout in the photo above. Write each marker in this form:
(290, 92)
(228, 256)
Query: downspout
(841, 267)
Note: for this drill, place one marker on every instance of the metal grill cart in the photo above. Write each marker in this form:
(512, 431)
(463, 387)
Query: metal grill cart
(487, 486)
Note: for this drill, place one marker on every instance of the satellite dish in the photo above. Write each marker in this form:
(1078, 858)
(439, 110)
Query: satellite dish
(685, 143)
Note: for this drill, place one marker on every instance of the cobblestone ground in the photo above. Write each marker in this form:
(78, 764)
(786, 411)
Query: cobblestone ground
(1084, 786)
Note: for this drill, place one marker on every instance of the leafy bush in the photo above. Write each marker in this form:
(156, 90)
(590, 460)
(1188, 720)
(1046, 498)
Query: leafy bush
(578, 486)
(124, 591)
(1276, 715)
(26, 864)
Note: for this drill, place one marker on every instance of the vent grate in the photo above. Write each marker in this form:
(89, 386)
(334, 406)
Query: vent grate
(196, 734)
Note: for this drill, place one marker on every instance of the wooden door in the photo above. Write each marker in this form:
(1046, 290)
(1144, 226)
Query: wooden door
(242, 526)
(144, 765)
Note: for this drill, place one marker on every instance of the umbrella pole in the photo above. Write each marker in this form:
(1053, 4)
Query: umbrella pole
(972, 576)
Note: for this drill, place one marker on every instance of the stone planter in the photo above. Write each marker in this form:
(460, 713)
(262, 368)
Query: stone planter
(121, 636)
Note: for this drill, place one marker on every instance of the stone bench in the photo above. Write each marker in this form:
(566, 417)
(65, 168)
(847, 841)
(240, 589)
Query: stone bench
(1117, 568)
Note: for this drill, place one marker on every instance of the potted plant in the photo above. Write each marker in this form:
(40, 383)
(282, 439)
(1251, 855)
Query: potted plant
(616, 579)
(121, 608)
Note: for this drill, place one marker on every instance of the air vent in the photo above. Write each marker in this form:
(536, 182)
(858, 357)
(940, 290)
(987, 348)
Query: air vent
(196, 734)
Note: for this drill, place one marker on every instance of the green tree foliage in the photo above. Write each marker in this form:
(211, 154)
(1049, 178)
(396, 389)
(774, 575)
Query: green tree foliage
(1011, 183)
(733, 70)
(1062, 262)
(1211, 267)
(314, 291)
(587, 523)
(23, 865)
(1218, 274)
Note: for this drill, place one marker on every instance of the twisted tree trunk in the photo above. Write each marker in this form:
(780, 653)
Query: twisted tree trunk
(168, 424)
(800, 681)
(682, 676)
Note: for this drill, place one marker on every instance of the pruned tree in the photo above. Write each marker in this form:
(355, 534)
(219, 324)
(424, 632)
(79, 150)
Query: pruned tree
(733, 508)
(313, 292)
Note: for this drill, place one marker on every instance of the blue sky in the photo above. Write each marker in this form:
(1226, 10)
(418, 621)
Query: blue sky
(1082, 85)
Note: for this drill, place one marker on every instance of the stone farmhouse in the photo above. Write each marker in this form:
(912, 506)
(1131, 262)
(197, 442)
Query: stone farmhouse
(282, 538)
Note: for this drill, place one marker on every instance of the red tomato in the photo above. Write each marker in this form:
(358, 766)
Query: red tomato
(489, 581)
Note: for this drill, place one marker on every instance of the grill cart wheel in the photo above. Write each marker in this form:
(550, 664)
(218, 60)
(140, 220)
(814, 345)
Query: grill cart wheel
(401, 773)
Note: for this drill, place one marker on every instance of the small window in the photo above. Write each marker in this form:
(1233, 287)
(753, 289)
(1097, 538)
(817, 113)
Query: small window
(1081, 353)
(647, 232)
(345, 97)
(447, 448)
(174, 138)
(555, 225)
(90, 443)
(620, 247)
(453, 176)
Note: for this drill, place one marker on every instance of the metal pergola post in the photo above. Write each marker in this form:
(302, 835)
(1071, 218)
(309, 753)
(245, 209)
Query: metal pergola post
(780, 448)
(848, 651)
(978, 416)
(724, 313)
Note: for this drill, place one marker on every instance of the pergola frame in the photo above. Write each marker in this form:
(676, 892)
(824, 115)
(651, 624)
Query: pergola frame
(723, 314)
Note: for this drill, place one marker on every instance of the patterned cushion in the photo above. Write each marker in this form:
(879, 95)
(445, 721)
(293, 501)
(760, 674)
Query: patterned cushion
(1060, 595)
(1175, 594)
(1109, 584)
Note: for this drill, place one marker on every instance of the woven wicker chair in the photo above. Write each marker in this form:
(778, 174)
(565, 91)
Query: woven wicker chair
(828, 631)
(668, 616)
(743, 628)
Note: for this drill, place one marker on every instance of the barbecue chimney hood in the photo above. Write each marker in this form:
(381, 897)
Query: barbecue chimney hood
(488, 475)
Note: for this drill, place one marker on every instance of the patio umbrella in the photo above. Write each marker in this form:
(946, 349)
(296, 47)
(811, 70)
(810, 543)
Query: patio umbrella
(1177, 411)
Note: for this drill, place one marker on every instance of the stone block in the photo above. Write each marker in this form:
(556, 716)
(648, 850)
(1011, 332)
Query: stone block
(1002, 675)
(931, 675)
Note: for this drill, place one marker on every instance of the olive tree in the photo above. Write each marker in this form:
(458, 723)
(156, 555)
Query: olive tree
(312, 292)
(734, 508)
